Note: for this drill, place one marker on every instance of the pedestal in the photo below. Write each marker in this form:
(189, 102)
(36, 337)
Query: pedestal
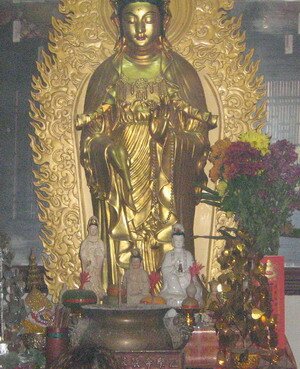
(168, 359)
(202, 349)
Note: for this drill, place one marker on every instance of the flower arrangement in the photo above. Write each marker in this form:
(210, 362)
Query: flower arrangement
(195, 269)
(257, 182)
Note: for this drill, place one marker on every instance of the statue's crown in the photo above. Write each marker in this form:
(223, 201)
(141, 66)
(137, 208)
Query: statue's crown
(178, 230)
(117, 4)
(135, 253)
(93, 221)
(178, 233)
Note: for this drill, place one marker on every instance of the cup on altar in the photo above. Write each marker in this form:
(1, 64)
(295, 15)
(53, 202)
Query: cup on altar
(57, 343)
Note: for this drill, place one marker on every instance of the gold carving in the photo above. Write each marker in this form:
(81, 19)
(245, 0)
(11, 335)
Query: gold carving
(207, 37)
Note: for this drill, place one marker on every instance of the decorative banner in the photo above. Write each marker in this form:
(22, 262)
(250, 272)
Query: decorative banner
(275, 275)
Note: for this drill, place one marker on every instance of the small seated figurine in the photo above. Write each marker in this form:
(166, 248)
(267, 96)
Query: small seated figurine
(175, 271)
(136, 280)
(92, 254)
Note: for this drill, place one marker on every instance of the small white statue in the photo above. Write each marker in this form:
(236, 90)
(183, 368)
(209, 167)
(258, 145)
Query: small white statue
(92, 254)
(175, 271)
(136, 280)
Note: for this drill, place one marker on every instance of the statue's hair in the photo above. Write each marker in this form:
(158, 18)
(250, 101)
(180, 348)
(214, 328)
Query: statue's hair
(163, 6)
(136, 254)
(120, 4)
(93, 221)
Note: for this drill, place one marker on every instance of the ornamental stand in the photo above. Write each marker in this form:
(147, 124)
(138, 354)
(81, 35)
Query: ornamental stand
(165, 359)
(202, 348)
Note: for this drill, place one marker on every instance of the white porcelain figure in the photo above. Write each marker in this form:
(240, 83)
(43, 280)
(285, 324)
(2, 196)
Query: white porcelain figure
(175, 271)
(92, 254)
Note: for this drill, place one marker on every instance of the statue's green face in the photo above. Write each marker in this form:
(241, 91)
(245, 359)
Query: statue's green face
(141, 23)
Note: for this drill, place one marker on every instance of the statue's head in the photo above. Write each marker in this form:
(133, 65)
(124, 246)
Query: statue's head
(135, 259)
(93, 226)
(178, 236)
(141, 23)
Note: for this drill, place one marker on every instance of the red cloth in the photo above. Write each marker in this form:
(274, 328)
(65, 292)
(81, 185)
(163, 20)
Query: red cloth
(202, 349)
(275, 274)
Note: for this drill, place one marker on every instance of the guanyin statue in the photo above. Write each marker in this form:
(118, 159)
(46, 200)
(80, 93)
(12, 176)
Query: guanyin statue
(144, 139)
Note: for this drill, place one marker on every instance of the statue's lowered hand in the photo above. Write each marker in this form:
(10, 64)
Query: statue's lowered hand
(82, 120)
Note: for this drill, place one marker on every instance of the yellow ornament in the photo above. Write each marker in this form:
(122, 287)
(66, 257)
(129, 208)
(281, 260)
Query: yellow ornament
(256, 314)
(37, 301)
(263, 319)
(240, 247)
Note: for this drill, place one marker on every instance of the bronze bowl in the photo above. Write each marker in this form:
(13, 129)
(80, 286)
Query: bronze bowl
(127, 328)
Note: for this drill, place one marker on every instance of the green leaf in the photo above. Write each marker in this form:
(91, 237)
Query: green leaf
(207, 189)
(211, 237)
(208, 196)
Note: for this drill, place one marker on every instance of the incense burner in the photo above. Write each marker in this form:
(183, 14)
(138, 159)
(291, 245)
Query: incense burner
(127, 328)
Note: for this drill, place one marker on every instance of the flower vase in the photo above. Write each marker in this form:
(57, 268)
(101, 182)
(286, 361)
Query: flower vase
(191, 289)
(190, 305)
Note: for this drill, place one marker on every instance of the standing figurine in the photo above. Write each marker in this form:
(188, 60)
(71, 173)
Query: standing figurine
(92, 254)
(136, 279)
(175, 271)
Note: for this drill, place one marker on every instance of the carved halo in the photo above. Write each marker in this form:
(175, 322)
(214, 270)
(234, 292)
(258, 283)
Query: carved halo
(209, 39)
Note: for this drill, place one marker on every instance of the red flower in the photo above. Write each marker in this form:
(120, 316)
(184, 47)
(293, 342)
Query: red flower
(154, 278)
(242, 159)
(195, 268)
(84, 278)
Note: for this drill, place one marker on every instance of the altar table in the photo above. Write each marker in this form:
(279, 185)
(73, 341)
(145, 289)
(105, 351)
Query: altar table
(202, 348)
(199, 353)
(167, 359)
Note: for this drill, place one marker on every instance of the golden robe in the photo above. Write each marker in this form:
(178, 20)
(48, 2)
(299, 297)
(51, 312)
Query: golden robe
(141, 163)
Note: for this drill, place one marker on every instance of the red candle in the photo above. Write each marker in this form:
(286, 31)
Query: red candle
(57, 343)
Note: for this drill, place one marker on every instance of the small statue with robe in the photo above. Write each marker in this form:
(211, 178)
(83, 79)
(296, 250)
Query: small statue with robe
(92, 254)
(136, 280)
(176, 271)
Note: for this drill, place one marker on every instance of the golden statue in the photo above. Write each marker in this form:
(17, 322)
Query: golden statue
(142, 103)
(144, 139)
